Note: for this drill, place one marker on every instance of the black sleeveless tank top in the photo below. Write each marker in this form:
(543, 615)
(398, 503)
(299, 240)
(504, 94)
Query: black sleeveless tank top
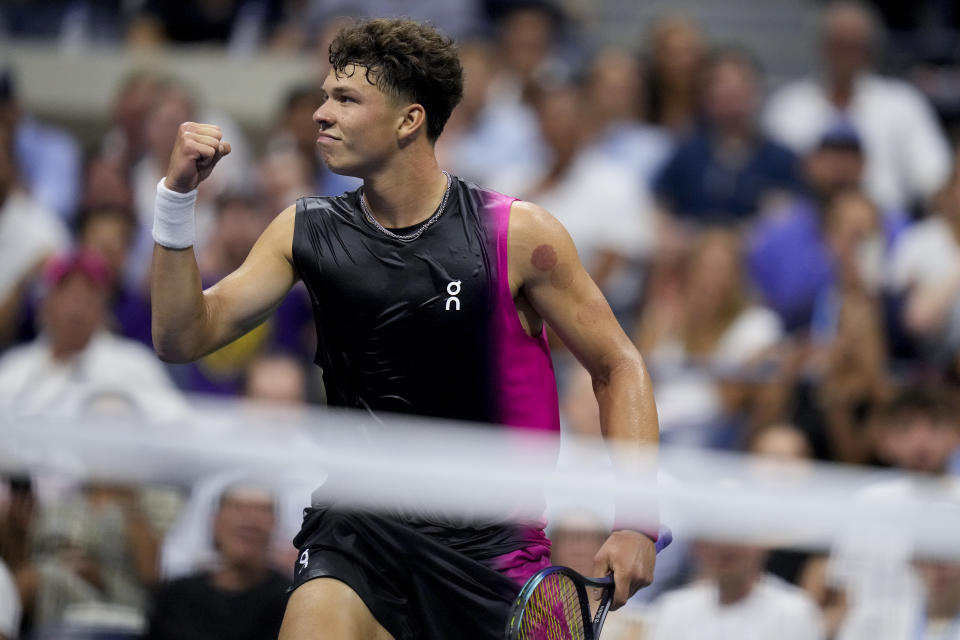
(426, 327)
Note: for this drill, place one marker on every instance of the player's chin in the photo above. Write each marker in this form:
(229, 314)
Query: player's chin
(341, 167)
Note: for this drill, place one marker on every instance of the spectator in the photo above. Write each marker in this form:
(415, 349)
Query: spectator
(736, 599)
(677, 54)
(781, 442)
(834, 389)
(785, 448)
(487, 131)
(10, 609)
(886, 589)
(76, 363)
(606, 211)
(106, 184)
(528, 32)
(278, 379)
(856, 245)
(175, 105)
(615, 86)
(29, 234)
(939, 604)
(701, 335)
(189, 546)
(907, 157)
(241, 597)
(789, 449)
(109, 231)
(788, 254)
(726, 171)
(48, 158)
(126, 139)
(93, 550)
(924, 275)
(918, 431)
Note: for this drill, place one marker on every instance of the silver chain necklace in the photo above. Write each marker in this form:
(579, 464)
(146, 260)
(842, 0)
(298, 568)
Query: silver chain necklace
(419, 232)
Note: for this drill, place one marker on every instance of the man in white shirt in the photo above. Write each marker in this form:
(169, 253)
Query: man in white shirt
(29, 234)
(893, 588)
(736, 600)
(607, 211)
(76, 366)
(907, 154)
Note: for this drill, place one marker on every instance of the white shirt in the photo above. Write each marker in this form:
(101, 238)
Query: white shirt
(600, 203)
(907, 155)
(687, 396)
(773, 609)
(111, 373)
(926, 253)
(28, 234)
(9, 604)
(874, 565)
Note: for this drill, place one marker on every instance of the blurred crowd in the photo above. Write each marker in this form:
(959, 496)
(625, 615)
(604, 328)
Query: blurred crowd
(786, 258)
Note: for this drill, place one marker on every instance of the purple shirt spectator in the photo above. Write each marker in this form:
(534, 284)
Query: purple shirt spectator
(789, 262)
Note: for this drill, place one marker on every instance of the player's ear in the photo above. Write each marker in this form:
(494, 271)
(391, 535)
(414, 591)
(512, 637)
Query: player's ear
(413, 121)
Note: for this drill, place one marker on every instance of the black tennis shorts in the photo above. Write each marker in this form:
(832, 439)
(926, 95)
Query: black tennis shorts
(416, 585)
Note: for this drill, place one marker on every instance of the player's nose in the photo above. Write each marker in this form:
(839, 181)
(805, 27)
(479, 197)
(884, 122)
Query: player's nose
(323, 117)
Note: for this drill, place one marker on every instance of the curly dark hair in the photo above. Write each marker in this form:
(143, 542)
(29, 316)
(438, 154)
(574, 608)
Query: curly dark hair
(404, 58)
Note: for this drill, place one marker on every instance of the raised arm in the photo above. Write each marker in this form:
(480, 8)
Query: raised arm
(189, 322)
(546, 271)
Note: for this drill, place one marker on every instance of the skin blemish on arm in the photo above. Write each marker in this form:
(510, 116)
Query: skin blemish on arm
(592, 312)
(544, 257)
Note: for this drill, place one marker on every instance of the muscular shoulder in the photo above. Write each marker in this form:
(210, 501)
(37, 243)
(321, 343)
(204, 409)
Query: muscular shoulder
(537, 241)
(532, 225)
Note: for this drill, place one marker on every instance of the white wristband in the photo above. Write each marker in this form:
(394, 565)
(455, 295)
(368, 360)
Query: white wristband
(173, 219)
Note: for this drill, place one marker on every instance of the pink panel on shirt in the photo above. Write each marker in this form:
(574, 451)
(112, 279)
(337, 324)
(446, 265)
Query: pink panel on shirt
(524, 385)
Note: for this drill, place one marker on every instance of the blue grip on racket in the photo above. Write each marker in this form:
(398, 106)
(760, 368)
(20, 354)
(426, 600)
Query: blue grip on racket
(664, 538)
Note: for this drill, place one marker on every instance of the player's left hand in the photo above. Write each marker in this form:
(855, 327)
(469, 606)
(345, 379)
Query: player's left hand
(630, 556)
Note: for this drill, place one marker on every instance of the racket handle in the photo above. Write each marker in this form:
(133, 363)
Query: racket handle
(664, 538)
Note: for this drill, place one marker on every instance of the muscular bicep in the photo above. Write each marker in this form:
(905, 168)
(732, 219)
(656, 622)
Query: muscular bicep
(246, 297)
(550, 276)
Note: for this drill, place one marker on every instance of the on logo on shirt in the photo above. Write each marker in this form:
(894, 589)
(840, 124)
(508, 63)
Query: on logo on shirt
(453, 290)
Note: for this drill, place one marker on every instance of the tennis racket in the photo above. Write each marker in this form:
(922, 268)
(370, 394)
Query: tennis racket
(554, 605)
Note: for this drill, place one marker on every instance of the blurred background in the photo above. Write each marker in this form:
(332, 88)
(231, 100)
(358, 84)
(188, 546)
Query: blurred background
(767, 191)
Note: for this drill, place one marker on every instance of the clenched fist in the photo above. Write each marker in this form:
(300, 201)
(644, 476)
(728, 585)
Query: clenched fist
(196, 152)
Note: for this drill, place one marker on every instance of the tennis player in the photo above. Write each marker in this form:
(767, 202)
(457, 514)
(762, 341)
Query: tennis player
(430, 295)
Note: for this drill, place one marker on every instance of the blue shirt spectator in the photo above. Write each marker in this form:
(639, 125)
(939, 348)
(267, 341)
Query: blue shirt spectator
(50, 161)
(48, 158)
(725, 170)
(698, 183)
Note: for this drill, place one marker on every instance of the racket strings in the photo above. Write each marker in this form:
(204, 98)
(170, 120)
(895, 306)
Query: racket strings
(553, 611)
